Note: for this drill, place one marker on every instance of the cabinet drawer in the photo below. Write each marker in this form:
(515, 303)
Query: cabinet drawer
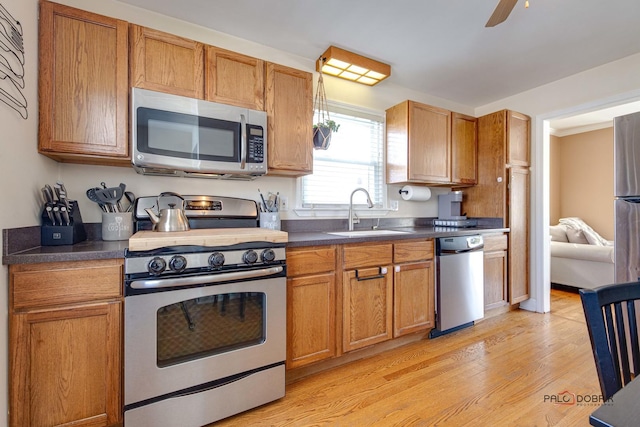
(311, 260)
(367, 255)
(419, 250)
(495, 242)
(51, 284)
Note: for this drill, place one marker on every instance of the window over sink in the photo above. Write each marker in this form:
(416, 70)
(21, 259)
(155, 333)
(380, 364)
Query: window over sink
(354, 159)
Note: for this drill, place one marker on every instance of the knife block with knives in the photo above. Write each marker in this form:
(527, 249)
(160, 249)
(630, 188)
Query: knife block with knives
(61, 219)
(60, 231)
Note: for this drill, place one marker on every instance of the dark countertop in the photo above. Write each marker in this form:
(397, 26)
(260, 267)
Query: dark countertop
(318, 238)
(87, 250)
(21, 246)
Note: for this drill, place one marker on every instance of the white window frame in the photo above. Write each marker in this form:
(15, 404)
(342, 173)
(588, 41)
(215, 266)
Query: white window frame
(341, 209)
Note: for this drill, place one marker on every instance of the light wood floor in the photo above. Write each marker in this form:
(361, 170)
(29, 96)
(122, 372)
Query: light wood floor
(497, 373)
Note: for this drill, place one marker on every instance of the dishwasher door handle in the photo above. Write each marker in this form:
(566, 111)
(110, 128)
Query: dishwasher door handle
(460, 251)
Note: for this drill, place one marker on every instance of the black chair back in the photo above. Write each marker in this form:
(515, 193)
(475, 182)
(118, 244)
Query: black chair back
(611, 320)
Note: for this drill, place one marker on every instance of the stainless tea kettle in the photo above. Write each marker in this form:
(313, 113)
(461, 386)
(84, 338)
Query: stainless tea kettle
(171, 219)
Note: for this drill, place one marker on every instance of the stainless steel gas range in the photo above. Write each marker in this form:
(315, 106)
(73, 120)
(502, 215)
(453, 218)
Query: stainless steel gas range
(205, 315)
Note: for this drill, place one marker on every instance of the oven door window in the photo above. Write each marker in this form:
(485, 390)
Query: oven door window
(187, 136)
(202, 327)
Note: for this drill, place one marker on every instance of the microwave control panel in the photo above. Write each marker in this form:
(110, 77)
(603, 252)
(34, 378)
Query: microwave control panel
(255, 144)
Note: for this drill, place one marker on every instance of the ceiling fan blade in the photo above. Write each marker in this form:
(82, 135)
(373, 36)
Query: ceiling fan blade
(503, 9)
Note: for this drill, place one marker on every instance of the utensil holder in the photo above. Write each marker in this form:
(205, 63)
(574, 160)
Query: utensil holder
(56, 235)
(270, 220)
(117, 225)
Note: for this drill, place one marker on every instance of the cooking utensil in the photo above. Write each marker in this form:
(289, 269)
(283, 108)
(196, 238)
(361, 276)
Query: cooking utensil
(57, 216)
(91, 195)
(62, 187)
(65, 215)
(49, 210)
(48, 198)
(110, 197)
(131, 198)
(105, 198)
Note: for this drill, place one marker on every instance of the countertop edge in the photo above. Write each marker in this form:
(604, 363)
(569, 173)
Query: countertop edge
(94, 250)
(319, 238)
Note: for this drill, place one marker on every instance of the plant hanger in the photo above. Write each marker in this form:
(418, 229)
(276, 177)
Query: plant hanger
(324, 126)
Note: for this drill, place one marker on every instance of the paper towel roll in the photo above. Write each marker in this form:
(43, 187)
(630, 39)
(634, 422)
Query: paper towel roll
(416, 194)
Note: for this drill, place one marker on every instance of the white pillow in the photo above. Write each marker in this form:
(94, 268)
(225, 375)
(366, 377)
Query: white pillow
(558, 233)
(592, 237)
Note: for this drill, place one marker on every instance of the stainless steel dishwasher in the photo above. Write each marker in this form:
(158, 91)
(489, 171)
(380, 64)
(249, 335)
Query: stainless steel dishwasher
(459, 283)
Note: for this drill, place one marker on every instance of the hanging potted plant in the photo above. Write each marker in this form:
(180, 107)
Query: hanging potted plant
(324, 126)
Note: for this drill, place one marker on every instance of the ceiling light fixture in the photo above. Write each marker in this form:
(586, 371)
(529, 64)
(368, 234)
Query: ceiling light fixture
(351, 66)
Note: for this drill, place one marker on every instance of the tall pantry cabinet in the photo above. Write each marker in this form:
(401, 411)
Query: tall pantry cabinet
(503, 189)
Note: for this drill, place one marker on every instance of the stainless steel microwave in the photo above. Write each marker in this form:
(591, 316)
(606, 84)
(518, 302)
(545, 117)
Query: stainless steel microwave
(179, 136)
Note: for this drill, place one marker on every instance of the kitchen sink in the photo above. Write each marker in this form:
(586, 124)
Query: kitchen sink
(366, 233)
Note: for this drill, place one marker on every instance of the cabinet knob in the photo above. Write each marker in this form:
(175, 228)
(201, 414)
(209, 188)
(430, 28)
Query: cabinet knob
(397, 269)
(499, 179)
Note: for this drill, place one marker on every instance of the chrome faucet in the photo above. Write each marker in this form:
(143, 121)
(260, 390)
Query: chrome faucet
(353, 219)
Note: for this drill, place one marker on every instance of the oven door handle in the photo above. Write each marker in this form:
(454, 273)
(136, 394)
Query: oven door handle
(203, 280)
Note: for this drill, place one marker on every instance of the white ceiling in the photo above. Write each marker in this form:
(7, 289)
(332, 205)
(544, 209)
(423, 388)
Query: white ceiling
(438, 47)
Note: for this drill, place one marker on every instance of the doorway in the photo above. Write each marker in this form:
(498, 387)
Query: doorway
(540, 278)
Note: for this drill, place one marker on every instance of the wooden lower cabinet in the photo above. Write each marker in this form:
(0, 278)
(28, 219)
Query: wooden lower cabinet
(346, 297)
(413, 298)
(311, 305)
(367, 307)
(65, 344)
(495, 271)
(413, 287)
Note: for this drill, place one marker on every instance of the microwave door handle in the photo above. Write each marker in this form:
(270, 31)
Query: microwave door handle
(243, 145)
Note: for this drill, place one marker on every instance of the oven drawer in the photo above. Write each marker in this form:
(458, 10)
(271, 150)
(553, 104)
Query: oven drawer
(211, 405)
(53, 284)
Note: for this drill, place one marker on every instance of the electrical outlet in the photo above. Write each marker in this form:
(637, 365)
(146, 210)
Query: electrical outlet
(284, 203)
(394, 205)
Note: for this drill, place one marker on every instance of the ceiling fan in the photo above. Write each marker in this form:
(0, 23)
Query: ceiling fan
(502, 11)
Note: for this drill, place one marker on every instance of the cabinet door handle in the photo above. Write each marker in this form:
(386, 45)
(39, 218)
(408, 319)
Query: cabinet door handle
(382, 271)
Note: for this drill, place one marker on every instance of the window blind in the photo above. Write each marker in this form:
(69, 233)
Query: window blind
(354, 159)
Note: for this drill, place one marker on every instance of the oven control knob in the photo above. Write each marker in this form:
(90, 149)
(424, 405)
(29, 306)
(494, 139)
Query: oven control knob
(156, 265)
(178, 263)
(268, 255)
(216, 259)
(249, 257)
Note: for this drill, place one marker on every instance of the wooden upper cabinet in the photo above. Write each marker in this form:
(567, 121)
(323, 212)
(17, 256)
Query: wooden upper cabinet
(464, 149)
(83, 86)
(289, 107)
(418, 144)
(232, 78)
(519, 128)
(166, 63)
(430, 145)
